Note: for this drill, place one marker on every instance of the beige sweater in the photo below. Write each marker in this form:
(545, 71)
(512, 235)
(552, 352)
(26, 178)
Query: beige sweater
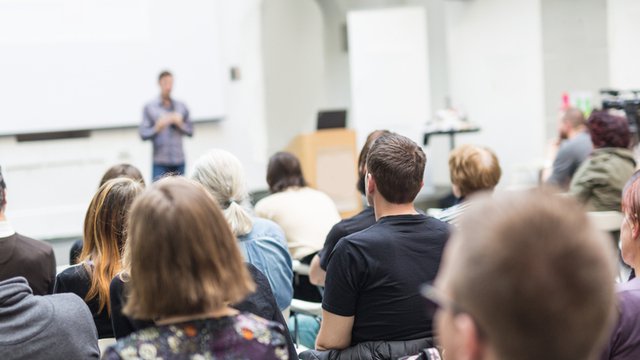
(306, 216)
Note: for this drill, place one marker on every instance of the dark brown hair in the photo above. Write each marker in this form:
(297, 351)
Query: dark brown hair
(105, 232)
(180, 240)
(474, 168)
(608, 130)
(397, 166)
(283, 172)
(163, 74)
(362, 158)
(122, 170)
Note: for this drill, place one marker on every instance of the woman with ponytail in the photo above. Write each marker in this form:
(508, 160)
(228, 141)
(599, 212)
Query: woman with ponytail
(261, 241)
(104, 237)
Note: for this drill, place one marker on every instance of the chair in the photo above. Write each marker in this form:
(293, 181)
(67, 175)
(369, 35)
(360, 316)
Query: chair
(103, 344)
(298, 306)
(609, 222)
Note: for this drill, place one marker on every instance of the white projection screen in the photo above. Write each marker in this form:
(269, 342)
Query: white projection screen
(93, 64)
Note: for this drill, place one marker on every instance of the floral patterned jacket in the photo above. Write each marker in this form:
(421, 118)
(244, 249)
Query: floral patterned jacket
(243, 336)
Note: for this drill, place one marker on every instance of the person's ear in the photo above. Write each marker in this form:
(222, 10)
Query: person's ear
(455, 190)
(371, 184)
(635, 231)
(472, 345)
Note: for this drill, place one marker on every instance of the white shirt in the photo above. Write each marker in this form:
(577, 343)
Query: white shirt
(306, 216)
(5, 229)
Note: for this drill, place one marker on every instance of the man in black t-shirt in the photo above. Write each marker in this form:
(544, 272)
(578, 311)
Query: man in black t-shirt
(360, 221)
(373, 276)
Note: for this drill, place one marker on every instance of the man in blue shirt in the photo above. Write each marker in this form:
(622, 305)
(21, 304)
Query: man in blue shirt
(165, 121)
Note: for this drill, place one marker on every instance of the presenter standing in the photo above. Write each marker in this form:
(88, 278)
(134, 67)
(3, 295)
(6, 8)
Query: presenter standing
(165, 121)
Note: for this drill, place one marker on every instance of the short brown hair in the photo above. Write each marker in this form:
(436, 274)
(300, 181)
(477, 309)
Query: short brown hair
(397, 165)
(536, 276)
(180, 240)
(474, 168)
(122, 170)
(163, 74)
(284, 171)
(362, 158)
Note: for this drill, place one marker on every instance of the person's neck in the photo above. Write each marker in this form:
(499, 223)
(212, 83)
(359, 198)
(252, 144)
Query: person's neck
(2, 216)
(218, 313)
(166, 100)
(384, 208)
(575, 132)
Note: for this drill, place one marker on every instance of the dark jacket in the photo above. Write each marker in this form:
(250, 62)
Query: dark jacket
(372, 350)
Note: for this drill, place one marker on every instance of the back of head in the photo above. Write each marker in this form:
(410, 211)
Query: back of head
(608, 130)
(397, 165)
(122, 170)
(105, 232)
(362, 158)
(535, 275)
(221, 174)
(180, 240)
(474, 168)
(3, 188)
(574, 117)
(283, 172)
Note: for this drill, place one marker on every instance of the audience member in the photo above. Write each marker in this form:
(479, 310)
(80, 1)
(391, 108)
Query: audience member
(574, 148)
(472, 169)
(361, 221)
(373, 276)
(44, 327)
(180, 240)
(526, 276)
(599, 180)
(262, 241)
(624, 343)
(261, 302)
(23, 256)
(114, 172)
(306, 215)
(105, 232)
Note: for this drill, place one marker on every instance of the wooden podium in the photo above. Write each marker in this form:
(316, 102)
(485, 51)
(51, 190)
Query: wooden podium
(329, 164)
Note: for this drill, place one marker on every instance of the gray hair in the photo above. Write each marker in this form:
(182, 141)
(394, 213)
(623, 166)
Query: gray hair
(222, 175)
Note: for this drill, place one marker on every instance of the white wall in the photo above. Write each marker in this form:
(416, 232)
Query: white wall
(50, 183)
(575, 52)
(389, 70)
(624, 52)
(293, 53)
(495, 73)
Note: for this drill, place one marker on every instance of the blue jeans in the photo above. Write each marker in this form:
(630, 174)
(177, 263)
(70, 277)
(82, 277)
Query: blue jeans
(160, 171)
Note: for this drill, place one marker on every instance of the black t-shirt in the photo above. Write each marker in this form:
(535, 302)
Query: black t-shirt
(76, 280)
(375, 275)
(361, 221)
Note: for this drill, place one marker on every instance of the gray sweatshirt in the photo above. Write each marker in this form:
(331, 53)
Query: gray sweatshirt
(44, 327)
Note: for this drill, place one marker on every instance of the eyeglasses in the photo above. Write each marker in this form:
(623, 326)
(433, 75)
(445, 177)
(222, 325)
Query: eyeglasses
(437, 300)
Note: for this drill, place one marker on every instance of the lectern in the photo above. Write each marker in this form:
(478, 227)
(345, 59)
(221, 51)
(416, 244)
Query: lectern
(329, 164)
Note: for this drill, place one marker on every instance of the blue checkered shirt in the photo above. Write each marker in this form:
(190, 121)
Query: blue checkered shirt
(167, 144)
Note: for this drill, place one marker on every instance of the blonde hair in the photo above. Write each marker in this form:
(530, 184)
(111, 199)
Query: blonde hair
(474, 168)
(221, 174)
(105, 231)
(180, 240)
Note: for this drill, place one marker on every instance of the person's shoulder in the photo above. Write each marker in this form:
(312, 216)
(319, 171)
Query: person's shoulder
(266, 226)
(256, 324)
(33, 246)
(73, 274)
